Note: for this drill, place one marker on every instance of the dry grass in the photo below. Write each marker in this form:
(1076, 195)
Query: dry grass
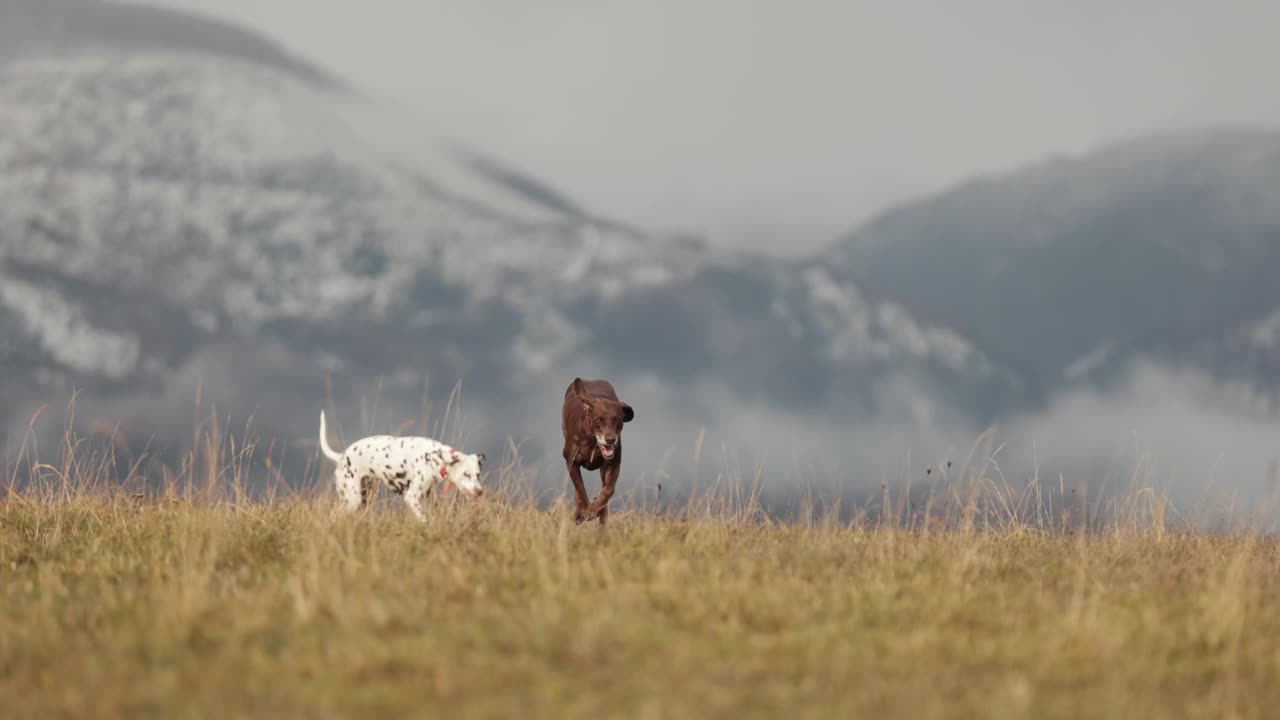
(196, 600)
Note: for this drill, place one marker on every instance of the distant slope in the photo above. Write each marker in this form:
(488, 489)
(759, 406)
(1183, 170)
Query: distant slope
(58, 27)
(1162, 247)
(175, 217)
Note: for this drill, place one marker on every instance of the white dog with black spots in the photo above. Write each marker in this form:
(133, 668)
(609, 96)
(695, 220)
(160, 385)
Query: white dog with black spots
(410, 466)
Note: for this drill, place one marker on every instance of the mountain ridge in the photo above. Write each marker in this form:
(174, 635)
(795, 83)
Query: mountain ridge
(53, 27)
(186, 224)
(1144, 247)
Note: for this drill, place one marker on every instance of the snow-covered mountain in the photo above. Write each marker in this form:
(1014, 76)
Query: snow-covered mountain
(183, 204)
(1162, 249)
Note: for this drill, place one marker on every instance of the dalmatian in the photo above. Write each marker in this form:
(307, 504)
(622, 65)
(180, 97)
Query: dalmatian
(410, 466)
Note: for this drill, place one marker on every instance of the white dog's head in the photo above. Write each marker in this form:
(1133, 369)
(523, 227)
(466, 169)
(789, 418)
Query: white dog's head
(463, 472)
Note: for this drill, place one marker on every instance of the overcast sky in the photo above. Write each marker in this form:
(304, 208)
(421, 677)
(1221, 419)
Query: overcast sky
(755, 122)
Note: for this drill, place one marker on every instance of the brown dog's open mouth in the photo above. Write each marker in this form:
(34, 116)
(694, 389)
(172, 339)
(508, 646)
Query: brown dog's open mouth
(607, 451)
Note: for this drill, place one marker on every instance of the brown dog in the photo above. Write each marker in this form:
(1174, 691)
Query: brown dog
(591, 421)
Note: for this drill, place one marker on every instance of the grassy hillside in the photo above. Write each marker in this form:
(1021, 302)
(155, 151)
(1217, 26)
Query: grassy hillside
(205, 603)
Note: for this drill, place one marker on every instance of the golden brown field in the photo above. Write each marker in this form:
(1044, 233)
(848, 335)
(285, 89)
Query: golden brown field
(200, 601)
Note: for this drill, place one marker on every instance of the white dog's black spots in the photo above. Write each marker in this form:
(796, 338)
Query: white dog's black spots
(409, 467)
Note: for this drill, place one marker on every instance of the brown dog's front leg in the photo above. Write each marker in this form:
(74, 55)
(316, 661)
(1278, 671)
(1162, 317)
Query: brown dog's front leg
(608, 481)
(579, 492)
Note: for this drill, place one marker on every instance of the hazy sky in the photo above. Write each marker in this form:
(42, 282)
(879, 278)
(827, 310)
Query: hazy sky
(761, 122)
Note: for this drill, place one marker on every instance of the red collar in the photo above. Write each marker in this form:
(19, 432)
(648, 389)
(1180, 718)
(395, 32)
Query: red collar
(444, 473)
(591, 437)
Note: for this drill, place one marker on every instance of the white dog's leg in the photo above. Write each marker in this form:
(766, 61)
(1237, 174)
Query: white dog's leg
(413, 498)
(349, 491)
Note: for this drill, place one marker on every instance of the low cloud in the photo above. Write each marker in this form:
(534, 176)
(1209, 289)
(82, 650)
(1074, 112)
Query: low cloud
(1208, 445)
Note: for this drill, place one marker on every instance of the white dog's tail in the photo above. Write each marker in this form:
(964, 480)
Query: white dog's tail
(324, 443)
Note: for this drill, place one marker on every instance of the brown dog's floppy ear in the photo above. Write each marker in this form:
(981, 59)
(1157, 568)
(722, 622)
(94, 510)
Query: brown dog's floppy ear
(578, 388)
(627, 413)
